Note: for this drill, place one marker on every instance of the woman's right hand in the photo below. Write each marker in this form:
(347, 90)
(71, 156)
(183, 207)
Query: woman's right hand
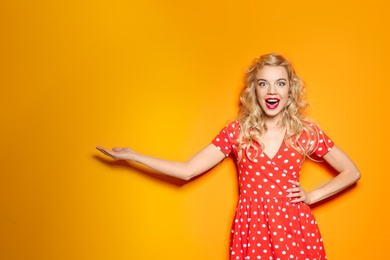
(117, 153)
(204, 160)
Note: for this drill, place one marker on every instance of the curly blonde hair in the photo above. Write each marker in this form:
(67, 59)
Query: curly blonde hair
(251, 116)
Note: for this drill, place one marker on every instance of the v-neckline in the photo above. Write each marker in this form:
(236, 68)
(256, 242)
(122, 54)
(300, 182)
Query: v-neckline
(277, 152)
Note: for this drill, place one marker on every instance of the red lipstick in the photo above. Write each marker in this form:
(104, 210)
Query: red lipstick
(272, 103)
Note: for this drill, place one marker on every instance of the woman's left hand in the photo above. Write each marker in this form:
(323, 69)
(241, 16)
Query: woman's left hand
(298, 194)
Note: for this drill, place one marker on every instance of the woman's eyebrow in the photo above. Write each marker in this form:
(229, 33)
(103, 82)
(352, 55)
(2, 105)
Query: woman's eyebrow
(260, 79)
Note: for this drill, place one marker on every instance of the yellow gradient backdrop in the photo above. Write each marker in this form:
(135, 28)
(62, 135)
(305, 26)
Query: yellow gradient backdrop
(163, 77)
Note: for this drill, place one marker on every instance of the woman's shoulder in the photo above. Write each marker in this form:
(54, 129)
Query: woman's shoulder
(232, 129)
(308, 131)
(310, 125)
(233, 124)
(314, 137)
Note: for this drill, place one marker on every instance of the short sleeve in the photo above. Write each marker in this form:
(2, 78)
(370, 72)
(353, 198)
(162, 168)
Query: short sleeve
(227, 138)
(323, 143)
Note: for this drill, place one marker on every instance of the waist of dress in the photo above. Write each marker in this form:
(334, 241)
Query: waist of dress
(264, 198)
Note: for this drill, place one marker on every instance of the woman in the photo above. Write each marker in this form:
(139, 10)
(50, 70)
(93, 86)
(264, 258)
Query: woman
(270, 140)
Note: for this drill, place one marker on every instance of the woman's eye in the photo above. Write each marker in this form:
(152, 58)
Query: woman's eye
(262, 84)
(281, 84)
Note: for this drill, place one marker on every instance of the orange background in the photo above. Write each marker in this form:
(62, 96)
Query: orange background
(163, 77)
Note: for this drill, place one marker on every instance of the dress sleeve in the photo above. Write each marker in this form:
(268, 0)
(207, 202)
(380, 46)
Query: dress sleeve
(323, 143)
(226, 139)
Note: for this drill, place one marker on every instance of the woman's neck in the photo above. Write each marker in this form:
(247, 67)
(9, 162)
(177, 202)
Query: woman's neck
(274, 124)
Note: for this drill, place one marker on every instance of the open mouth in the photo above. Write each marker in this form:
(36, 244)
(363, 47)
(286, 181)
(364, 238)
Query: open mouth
(272, 103)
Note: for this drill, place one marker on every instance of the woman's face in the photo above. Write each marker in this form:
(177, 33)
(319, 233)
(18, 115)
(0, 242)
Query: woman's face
(272, 90)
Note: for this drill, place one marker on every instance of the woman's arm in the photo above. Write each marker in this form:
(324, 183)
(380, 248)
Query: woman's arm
(348, 175)
(201, 162)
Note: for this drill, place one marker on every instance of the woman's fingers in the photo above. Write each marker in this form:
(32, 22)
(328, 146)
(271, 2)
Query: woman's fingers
(297, 193)
(107, 152)
(103, 150)
(116, 152)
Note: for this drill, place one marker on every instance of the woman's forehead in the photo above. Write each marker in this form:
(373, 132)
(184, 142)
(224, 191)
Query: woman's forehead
(272, 72)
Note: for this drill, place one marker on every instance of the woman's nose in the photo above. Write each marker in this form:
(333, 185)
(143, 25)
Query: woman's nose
(271, 90)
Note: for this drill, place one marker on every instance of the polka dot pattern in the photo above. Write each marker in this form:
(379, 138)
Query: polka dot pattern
(266, 224)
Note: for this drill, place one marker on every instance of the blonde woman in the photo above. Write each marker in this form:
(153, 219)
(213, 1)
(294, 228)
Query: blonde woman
(270, 140)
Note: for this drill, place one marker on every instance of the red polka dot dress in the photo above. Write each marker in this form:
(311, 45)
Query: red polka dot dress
(266, 224)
